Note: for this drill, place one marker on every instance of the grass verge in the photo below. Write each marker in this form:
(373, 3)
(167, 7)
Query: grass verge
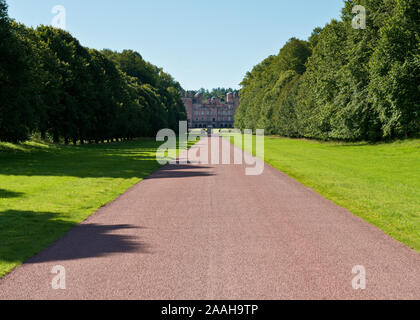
(47, 189)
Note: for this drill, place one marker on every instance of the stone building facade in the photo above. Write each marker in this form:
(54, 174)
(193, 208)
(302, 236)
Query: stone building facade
(214, 113)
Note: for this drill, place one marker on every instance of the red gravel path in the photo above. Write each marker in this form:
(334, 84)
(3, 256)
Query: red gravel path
(211, 232)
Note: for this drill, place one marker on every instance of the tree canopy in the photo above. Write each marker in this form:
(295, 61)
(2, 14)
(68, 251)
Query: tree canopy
(51, 84)
(342, 83)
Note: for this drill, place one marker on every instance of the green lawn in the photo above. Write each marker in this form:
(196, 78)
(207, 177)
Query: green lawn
(46, 189)
(379, 183)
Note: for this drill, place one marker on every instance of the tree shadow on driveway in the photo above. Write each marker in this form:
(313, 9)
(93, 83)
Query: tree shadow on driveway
(25, 233)
(92, 240)
(181, 171)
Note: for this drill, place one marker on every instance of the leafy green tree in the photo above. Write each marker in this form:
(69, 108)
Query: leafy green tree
(52, 84)
(107, 85)
(132, 64)
(68, 114)
(265, 87)
(344, 83)
(395, 71)
(16, 112)
(160, 94)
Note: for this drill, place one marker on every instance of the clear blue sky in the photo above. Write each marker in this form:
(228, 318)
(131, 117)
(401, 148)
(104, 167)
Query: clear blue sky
(202, 43)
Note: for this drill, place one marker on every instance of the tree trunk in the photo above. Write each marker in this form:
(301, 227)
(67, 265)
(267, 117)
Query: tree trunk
(56, 139)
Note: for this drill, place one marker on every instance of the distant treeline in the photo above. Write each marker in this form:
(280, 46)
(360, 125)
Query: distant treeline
(216, 92)
(52, 85)
(343, 83)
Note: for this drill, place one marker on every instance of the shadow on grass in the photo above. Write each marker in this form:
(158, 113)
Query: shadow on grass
(10, 194)
(123, 160)
(134, 159)
(25, 233)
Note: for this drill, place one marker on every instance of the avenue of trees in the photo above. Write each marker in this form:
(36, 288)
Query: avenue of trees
(51, 84)
(342, 83)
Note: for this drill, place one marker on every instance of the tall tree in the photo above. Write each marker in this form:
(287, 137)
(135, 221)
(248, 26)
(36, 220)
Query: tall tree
(395, 71)
(16, 114)
(357, 84)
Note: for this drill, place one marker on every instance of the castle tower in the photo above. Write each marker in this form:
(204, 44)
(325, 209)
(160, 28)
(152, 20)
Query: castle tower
(229, 97)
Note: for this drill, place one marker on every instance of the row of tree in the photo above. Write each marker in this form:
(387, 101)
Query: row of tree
(343, 83)
(51, 84)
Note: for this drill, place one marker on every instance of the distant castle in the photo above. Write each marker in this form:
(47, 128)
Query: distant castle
(214, 113)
